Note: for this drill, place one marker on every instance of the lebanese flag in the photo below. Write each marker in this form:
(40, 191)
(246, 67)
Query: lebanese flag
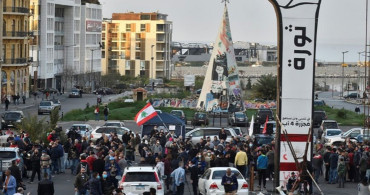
(265, 127)
(145, 114)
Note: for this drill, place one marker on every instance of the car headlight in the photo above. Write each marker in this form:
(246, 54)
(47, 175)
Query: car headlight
(2, 121)
(18, 121)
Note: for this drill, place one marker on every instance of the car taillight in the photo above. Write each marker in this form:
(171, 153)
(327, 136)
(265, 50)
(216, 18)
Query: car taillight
(245, 185)
(18, 161)
(123, 178)
(91, 136)
(159, 186)
(213, 186)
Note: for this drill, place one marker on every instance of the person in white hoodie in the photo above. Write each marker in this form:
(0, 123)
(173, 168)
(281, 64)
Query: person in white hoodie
(363, 187)
(159, 166)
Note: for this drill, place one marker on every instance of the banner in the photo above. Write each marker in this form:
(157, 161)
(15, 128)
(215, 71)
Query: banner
(93, 26)
(297, 23)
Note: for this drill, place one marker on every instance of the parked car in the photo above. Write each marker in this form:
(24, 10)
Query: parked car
(75, 93)
(198, 133)
(129, 101)
(114, 124)
(238, 118)
(139, 179)
(262, 139)
(318, 117)
(104, 91)
(188, 128)
(238, 131)
(326, 138)
(210, 182)
(57, 104)
(83, 129)
(97, 133)
(11, 119)
(7, 155)
(271, 127)
(200, 118)
(352, 134)
(329, 124)
(46, 107)
(180, 114)
(262, 114)
(352, 96)
(319, 103)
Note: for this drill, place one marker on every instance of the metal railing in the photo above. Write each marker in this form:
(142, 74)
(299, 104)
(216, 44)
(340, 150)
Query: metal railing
(22, 10)
(18, 60)
(17, 34)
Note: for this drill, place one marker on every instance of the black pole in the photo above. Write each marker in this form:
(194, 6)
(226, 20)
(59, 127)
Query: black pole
(213, 118)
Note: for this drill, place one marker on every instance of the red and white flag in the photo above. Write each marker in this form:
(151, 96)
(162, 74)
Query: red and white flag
(265, 127)
(145, 114)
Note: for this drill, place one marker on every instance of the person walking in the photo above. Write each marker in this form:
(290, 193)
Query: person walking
(10, 183)
(46, 186)
(194, 176)
(106, 113)
(35, 163)
(230, 183)
(179, 179)
(94, 185)
(45, 163)
(80, 180)
(7, 102)
(241, 161)
(262, 167)
(24, 99)
(96, 112)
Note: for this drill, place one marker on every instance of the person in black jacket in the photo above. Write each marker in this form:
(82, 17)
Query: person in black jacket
(326, 162)
(194, 176)
(14, 169)
(94, 185)
(36, 166)
(107, 184)
(99, 165)
(222, 134)
(46, 186)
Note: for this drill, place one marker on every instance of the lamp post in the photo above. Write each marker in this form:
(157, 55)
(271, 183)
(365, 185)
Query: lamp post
(343, 52)
(152, 65)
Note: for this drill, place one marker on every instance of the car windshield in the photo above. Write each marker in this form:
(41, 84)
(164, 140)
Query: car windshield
(12, 115)
(7, 154)
(332, 133)
(220, 173)
(176, 113)
(201, 115)
(237, 131)
(239, 115)
(264, 140)
(140, 176)
(55, 101)
(330, 125)
(75, 90)
(112, 124)
(45, 103)
(106, 130)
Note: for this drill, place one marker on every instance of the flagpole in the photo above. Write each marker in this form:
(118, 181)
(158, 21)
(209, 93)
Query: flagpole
(163, 123)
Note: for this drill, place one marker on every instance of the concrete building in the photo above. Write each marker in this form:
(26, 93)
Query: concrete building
(137, 44)
(67, 46)
(15, 54)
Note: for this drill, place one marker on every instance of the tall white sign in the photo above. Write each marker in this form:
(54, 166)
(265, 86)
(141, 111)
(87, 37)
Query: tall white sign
(297, 22)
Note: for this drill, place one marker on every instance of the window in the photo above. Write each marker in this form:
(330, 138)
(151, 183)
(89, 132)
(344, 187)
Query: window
(49, 24)
(198, 133)
(59, 12)
(50, 9)
(145, 17)
(142, 65)
(76, 52)
(128, 64)
(49, 39)
(77, 12)
(142, 27)
(211, 132)
(140, 176)
(88, 13)
(128, 27)
(93, 13)
(206, 174)
(50, 54)
(77, 25)
(7, 155)
(77, 39)
(219, 174)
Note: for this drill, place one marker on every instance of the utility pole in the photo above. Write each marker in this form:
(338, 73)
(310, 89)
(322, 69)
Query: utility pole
(343, 52)
(152, 66)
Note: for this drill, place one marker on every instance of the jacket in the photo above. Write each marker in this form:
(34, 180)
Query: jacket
(12, 184)
(80, 180)
(194, 173)
(45, 187)
(230, 183)
(16, 173)
(84, 164)
(45, 161)
(241, 158)
(333, 160)
(94, 185)
(262, 162)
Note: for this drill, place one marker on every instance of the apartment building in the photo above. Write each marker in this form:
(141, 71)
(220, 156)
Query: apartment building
(67, 43)
(137, 44)
(15, 58)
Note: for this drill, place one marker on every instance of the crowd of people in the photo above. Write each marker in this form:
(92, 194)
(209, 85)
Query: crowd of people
(96, 164)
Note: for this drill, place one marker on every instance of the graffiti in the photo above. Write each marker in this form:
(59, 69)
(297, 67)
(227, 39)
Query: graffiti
(175, 103)
(260, 105)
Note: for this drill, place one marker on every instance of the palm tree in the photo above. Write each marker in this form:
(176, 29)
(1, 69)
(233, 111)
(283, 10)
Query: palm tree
(265, 87)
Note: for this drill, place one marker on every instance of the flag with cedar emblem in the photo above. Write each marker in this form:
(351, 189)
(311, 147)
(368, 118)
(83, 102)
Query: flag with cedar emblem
(145, 114)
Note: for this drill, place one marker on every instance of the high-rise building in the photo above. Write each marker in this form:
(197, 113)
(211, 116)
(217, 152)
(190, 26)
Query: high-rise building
(15, 52)
(67, 43)
(137, 44)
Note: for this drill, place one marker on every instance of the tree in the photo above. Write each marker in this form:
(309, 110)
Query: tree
(54, 118)
(265, 87)
(249, 84)
(37, 129)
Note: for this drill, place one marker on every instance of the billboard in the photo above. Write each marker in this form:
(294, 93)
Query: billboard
(93, 26)
(297, 22)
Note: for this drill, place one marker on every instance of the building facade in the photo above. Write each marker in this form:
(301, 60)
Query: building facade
(67, 50)
(137, 44)
(15, 57)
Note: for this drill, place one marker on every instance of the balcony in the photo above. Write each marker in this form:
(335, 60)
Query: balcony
(16, 10)
(15, 61)
(16, 34)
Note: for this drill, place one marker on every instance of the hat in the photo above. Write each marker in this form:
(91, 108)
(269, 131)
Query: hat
(111, 158)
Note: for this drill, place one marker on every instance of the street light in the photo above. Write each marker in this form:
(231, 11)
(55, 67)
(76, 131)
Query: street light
(343, 52)
(152, 65)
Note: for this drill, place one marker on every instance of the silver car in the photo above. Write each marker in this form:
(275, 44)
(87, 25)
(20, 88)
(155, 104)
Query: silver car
(46, 107)
(198, 133)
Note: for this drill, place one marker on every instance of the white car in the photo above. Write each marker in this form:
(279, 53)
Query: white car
(351, 134)
(210, 182)
(129, 101)
(83, 129)
(198, 133)
(137, 180)
(7, 155)
(329, 135)
(114, 124)
(97, 133)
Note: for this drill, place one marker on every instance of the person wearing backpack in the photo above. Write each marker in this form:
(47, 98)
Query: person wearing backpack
(83, 164)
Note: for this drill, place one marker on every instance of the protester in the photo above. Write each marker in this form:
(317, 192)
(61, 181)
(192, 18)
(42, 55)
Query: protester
(262, 162)
(45, 186)
(230, 183)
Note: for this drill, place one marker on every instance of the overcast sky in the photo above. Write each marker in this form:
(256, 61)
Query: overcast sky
(341, 22)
